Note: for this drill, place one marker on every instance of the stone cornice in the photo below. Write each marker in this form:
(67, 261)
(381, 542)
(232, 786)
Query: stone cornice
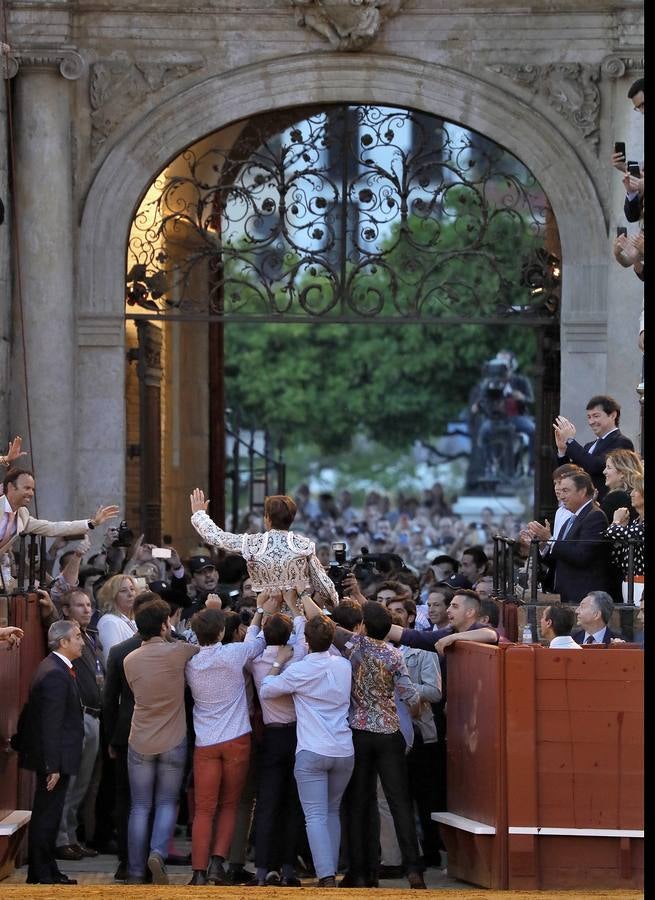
(71, 64)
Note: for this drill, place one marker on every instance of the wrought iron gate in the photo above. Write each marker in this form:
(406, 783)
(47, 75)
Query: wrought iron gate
(348, 213)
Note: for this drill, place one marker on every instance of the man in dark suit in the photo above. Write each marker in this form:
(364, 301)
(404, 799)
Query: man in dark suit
(593, 615)
(579, 554)
(50, 738)
(603, 414)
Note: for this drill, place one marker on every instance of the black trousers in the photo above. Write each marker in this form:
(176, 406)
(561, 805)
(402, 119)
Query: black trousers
(380, 755)
(422, 767)
(44, 825)
(278, 814)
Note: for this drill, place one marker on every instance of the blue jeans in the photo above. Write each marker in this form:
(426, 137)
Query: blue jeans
(154, 778)
(321, 782)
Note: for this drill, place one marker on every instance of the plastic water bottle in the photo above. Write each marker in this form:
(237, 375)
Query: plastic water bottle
(527, 635)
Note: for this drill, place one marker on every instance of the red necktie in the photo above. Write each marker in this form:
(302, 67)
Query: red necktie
(73, 673)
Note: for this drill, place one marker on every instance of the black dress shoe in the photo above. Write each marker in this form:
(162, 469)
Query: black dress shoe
(121, 872)
(292, 881)
(84, 850)
(67, 851)
(239, 875)
(199, 877)
(64, 879)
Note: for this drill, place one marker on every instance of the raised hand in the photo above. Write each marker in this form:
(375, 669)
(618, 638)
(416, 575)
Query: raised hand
(198, 502)
(15, 450)
(213, 601)
(103, 513)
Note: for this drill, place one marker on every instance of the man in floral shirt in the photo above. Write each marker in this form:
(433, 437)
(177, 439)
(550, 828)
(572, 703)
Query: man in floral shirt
(379, 675)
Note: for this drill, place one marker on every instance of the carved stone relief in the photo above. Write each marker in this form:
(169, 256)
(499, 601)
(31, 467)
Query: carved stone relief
(347, 24)
(117, 86)
(570, 88)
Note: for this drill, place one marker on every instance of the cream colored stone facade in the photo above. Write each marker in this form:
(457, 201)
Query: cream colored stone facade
(105, 94)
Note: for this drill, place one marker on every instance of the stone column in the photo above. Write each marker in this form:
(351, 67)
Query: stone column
(5, 264)
(44, 232)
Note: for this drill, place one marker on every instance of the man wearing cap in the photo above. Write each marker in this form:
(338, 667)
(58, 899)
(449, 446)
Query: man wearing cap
(204, 581)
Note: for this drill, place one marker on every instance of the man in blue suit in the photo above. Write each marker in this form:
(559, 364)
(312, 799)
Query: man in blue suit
(603, 414)
(50, 737)
(579, 554)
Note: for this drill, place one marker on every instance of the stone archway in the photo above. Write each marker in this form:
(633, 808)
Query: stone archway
(137, 155)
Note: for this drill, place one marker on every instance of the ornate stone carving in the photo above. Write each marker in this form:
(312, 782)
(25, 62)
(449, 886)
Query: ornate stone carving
(570, 88)
(71, 63)
(117, 86)
(615, 66)
(347, 24)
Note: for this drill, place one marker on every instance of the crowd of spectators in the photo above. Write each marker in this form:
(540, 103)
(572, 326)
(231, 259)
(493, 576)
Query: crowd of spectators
(216, 695)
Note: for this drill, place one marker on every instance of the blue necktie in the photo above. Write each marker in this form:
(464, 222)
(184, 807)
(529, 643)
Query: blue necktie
(566, 527)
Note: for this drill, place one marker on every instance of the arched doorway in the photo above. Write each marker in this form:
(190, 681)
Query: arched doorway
(333, 213)
(193, 109)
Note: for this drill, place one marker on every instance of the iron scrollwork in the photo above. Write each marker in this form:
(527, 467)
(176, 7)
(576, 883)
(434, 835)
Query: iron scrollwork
(345, 213)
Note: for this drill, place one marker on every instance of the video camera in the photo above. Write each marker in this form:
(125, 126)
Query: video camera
(125, 535)
(365, 567)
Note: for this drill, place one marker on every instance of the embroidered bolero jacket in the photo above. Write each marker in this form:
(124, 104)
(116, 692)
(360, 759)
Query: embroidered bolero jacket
(275, 559)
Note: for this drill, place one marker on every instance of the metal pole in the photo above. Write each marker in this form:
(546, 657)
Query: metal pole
(21, 563)
(42, 561)
(496, 572)
(534, 560)
(509, 567)
(32, 563)
(236, 475)
(631, 572)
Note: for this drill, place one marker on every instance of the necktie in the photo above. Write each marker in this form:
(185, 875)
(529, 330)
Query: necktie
(590, 640)
(566, 527)
(7, 525)
(73, 674)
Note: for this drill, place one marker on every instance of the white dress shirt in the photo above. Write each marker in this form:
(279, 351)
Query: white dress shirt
(564, 642)
(320, 685)
(220, 706)
(64, 659)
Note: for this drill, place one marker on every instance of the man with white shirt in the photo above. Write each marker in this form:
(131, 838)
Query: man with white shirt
(18, 485)
(593, 616)
(578, 554)
(603, 414)
(555, 626)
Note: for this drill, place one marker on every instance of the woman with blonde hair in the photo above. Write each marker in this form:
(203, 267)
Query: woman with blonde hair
(277, 558)
(621, 469)
(116, 599)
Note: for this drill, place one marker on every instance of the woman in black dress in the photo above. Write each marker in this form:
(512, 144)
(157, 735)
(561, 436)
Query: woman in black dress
(623, 531)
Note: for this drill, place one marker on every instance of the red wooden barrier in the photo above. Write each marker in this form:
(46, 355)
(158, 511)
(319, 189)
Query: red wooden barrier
(16, 669)
(560, 792)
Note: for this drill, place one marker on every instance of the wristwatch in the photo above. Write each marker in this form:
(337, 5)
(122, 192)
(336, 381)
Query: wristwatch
(91, 524)
(569, 440)
(261, 610)
(275, 665)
